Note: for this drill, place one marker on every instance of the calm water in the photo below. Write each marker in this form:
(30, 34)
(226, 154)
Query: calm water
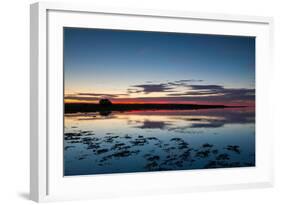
(139, 141)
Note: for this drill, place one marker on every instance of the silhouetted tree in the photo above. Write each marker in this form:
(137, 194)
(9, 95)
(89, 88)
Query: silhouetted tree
(105, 102)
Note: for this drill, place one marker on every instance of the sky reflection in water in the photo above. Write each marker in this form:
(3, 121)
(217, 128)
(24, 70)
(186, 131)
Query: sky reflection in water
(142, 141)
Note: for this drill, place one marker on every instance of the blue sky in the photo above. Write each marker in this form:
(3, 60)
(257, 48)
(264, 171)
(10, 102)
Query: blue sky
(98, 61)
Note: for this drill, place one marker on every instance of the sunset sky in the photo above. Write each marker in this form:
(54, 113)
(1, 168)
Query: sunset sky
(157, 67)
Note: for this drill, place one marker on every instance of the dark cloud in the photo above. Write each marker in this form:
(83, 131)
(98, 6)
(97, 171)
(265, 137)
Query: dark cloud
(98, 95)
(240, 92)
(206, 87)
(188, 81)
(194, 93)
(179, 91)
(92, 96)
(183, 83)
(80, 98)
(216, 92)
(171, 86)
(130, 90)
(151, 88)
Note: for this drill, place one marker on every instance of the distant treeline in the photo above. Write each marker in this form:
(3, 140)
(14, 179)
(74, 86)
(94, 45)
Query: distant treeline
(85, 107)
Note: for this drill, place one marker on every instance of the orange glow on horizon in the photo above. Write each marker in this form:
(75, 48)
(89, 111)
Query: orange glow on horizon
(139, 101)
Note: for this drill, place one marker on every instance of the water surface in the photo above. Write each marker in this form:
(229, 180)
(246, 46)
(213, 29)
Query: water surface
(140, 141)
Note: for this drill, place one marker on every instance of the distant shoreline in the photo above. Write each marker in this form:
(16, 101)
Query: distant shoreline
(85, 107)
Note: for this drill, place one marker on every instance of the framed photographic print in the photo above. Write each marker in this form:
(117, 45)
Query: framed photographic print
(127, 102)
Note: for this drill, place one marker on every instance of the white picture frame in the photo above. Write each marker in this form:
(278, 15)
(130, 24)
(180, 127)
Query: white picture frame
(46, 179)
